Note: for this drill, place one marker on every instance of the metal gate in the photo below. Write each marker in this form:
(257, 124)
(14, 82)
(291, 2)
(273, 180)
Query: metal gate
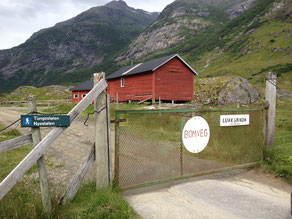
(149, 147)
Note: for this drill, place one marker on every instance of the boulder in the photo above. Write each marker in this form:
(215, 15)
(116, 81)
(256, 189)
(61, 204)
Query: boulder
(225, 91)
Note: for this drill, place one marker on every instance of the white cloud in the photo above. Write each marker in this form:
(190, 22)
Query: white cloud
(19, 19)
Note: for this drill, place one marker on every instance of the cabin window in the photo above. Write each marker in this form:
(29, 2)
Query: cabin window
(83, 95)
(122, 82)
(75, 96)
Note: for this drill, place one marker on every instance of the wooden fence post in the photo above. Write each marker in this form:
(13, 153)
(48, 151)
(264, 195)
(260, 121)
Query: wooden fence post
(111, 147)
(271, 93)
(36, 138)
(101, 138)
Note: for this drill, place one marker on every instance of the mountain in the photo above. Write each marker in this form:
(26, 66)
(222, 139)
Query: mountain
(182, 20)
(81, 42)
(255, 38)
(246, 38)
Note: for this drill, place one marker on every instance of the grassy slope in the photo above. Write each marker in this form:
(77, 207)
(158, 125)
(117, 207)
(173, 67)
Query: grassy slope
(45, 93)
(257, 56)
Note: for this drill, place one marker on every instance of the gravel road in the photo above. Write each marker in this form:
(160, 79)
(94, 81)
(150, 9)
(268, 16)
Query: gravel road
(233, 194)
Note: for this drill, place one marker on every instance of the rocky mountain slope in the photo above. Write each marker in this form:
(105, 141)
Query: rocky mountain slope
(251, 45)
(255, 42)
(182, 20)
(83, 41)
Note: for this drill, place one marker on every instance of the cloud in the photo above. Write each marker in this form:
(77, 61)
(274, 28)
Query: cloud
(19, 19)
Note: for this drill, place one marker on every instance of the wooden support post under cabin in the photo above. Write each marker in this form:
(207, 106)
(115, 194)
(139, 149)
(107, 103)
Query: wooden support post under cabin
(271, 95)
(101, 138)
(159, 102)
(172, 102)
(36, 138)
(117, 98)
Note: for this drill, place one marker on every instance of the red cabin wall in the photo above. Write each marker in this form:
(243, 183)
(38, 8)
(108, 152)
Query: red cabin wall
(174, 81)
(79, 93)
(137, 87)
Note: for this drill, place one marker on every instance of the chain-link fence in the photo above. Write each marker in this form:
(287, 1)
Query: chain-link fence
(68, 152)
(149, 146)
(283, 137)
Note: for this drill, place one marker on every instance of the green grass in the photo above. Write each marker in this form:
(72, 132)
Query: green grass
(23, 201)
(92, 203)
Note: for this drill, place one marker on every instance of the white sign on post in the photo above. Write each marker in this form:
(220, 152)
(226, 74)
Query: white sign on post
(234, 120)
(196, 134)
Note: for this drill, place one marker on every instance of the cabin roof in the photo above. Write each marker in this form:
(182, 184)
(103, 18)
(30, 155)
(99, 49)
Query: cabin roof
(151, 65)
(85, 85)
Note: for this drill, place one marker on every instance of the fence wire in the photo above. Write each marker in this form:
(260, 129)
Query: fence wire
(150, 147)
(284, 126)
(68, 152)
(63, 158)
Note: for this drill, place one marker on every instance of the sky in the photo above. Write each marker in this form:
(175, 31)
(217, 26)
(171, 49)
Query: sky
(19, 19)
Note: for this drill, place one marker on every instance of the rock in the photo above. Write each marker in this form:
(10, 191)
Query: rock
(225, 91)
(163, 37)
(239, 8)
(56, 87)
(238, 90)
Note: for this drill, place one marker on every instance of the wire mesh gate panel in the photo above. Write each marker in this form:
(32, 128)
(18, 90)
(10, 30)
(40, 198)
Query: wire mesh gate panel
(149, 146)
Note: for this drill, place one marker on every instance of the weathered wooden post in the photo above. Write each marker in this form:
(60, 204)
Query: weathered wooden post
(101, 138)
(111, 146)
(36, 138)
(271, 93)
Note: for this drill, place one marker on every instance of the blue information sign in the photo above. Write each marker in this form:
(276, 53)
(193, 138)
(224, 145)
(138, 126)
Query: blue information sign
(45, 121)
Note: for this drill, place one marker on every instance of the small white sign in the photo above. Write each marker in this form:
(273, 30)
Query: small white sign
(234, 120)
(196, 134)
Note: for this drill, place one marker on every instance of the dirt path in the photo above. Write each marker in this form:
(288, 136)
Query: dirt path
(9, 115)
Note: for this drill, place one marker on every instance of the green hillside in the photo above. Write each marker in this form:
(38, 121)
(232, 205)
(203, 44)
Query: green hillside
(260, 45)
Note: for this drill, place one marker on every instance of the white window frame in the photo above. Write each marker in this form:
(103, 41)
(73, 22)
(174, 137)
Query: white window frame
(76, 96)
(122, 82)
(83, 95)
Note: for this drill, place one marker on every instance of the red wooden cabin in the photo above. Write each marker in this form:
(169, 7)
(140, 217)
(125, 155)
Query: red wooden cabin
(80, 91)
(169, 78)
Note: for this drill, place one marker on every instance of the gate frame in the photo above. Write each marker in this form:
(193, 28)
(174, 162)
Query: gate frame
(220, 110)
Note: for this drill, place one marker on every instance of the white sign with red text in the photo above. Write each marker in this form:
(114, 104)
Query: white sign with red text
(196, 134)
